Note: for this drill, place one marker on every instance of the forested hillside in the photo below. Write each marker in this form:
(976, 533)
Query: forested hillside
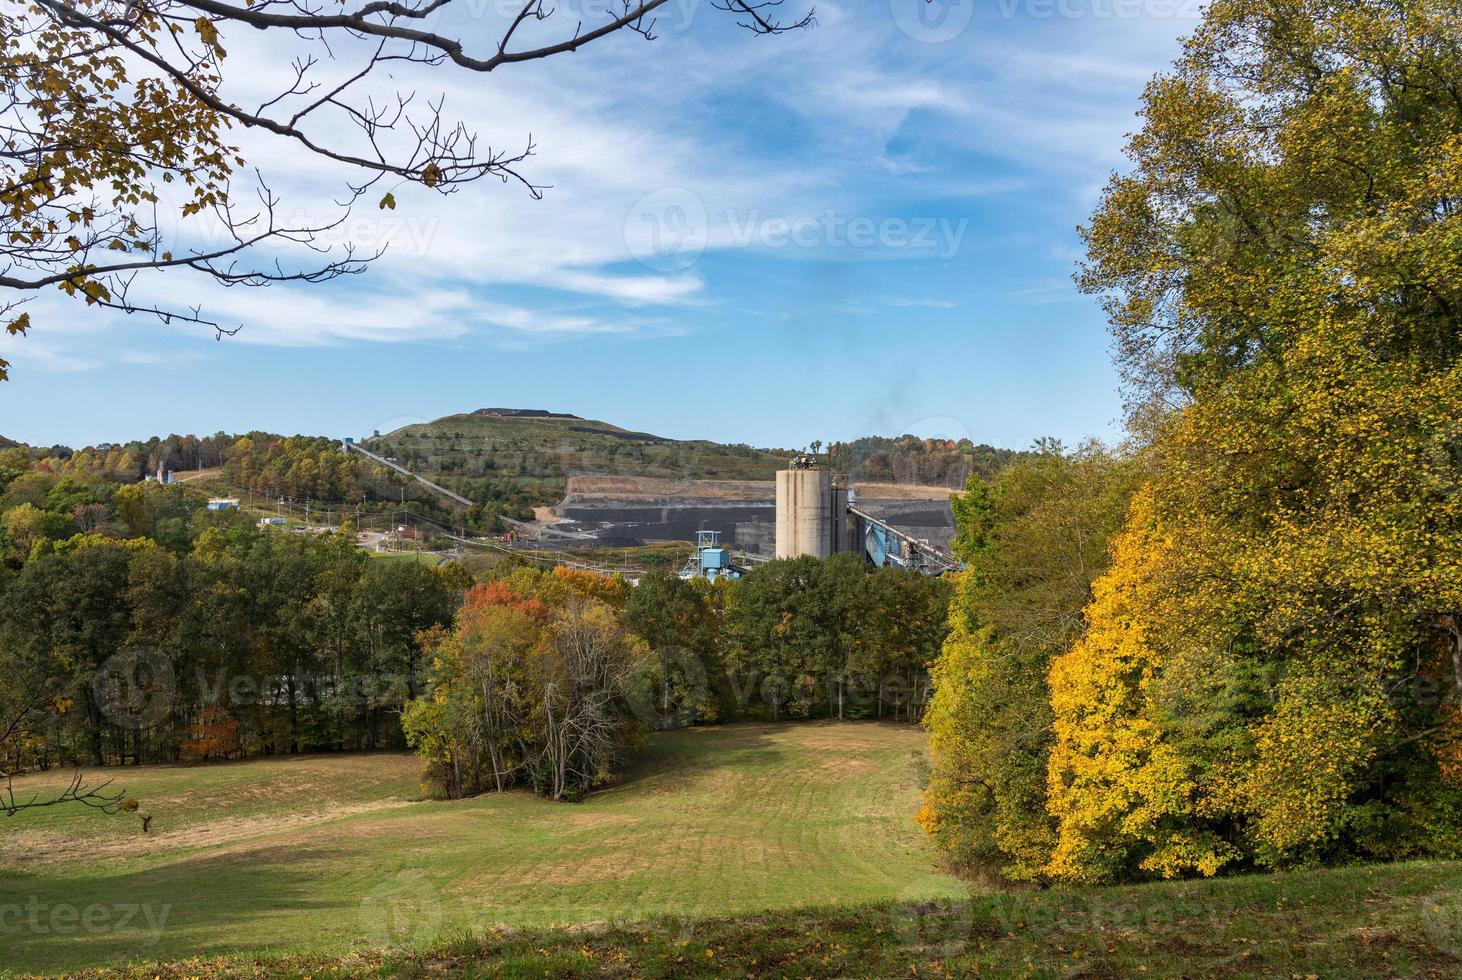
(492, 454)
(138, 625)
(916, 460)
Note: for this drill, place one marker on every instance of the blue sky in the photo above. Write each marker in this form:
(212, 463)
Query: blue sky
(867, 228)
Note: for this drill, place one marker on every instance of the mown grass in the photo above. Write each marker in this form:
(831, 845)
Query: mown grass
(751, 850)
(1398, 920)
(326, 855)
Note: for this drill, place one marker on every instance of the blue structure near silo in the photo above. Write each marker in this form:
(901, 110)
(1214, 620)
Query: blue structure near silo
(711, 561)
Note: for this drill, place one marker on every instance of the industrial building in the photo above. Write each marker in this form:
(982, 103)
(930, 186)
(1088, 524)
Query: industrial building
(812, 513)
(711, 559)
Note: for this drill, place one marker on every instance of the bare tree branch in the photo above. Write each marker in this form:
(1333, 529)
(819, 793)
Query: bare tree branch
(103, 102)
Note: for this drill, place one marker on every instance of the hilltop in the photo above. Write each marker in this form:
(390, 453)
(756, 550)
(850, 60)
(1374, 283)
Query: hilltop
(539, 449)
(525, 413)
(542, 450)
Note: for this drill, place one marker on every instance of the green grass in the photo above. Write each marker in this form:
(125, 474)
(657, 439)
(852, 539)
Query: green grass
(327, 854)
(1401, 920)
(418, 557)
(748, 850)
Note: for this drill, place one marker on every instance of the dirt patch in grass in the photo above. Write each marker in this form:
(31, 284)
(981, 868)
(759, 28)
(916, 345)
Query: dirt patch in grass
(847, 768)
(607, 866)
(37, 846)
(902, 491)
(590, 820)
(843, 739)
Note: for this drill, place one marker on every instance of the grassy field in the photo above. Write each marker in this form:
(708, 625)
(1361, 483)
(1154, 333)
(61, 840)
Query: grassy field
(1387, 921)
(417, 557)
(326, 854)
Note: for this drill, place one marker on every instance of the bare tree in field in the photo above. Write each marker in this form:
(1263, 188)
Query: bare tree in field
(583, 675)
(102, 102)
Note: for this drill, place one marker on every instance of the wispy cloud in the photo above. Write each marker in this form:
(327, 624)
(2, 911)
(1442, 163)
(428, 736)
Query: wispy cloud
(854, 118)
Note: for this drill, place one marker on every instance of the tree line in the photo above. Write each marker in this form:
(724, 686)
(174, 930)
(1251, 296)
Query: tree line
(546, 677)
(122, 651)
(173, 634)
(1237, 644)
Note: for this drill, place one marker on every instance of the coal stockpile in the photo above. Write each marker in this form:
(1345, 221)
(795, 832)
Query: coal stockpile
(749, 526)
(929, 520)
(746, 525)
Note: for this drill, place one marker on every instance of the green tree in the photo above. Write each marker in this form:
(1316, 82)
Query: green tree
(1273, 660)
(73, 606)
(1035, 538)
(27, 527)
(683, 681)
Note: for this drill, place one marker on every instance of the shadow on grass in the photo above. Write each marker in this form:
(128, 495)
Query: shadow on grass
(192, 906)
(670, 760)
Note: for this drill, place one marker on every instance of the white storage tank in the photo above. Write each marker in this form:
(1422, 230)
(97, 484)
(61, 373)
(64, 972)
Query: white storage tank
(804, 513)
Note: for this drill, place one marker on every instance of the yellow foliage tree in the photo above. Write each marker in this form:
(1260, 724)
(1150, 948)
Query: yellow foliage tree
(1273, 663)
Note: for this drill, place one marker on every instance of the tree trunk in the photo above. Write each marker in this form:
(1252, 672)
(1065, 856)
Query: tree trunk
(1453, 624)
(294, 727)
(94, 726)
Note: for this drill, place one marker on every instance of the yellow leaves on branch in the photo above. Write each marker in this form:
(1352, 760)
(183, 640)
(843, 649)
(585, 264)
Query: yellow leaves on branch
(208, 34)
(107, 140)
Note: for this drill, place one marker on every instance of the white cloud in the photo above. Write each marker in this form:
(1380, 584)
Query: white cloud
(784, 128)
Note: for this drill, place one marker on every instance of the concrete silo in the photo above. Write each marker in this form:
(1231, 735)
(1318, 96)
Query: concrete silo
(805, 524)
